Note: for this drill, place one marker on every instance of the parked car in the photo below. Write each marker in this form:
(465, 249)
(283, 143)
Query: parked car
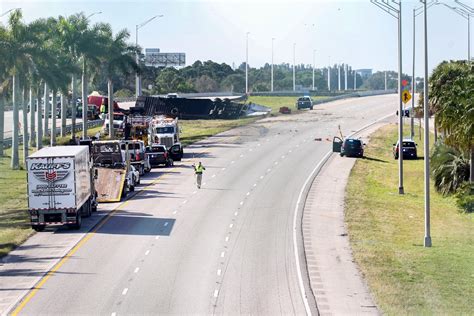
(158, 155)
(304, 103)
(409, 149)
(352, 147)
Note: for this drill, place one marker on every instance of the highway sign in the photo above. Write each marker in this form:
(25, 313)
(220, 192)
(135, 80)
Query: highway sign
(406, 96)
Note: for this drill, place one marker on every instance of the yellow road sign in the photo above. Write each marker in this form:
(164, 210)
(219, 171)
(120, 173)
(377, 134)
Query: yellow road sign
(406, 96)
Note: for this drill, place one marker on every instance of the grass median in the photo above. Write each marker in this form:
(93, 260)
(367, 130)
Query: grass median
(387, 231)
(276, 102)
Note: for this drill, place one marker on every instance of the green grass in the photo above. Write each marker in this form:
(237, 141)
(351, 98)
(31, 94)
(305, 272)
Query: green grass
(14, 218)
(276, 102)
(387, 232)
(196, 130)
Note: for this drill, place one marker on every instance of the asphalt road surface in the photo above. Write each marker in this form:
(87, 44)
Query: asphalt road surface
(9, 123)
(227, 248)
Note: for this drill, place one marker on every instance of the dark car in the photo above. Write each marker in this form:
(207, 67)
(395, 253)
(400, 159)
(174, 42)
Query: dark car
(409, 149)
(352, 147)
(158, 155)
(176, 152)
(304, 103)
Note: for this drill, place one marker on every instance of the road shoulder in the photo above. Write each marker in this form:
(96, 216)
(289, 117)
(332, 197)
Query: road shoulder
(335, 279)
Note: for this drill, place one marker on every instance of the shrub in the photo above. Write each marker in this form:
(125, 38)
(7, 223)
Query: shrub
(465, 197)
(449, 168)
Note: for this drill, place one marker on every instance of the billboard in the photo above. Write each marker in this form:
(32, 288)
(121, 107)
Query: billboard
(157, 59)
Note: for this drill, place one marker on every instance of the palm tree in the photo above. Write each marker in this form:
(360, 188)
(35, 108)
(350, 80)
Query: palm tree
(4, 83)
(20, 48)
(450, 169)
(452, 96)
(120, 60)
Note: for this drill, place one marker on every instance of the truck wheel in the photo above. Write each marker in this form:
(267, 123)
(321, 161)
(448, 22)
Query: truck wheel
(88, 212)
(78, 223)
(38, 228)
(132, 188)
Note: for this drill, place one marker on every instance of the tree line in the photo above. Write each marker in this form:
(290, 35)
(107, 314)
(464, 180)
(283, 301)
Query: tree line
(49, 55)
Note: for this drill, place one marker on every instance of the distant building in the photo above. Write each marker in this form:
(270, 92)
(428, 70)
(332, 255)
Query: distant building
(154, 58)
(364, 73)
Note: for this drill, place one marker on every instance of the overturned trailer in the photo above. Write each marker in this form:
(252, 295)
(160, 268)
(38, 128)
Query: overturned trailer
(189, 109)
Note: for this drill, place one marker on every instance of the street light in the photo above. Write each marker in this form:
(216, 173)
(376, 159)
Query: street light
(94, 13)
(314, 52)
(247, 65)
(426, 138)
(329, 75)
(396, 12)
(294, 67)
(339, 77)
(273, 39)
(6, 12)
(138, 83)
(466, 12)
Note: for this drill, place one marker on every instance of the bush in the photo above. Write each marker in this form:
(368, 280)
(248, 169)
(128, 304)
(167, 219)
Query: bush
(465, 197)
(449, 168)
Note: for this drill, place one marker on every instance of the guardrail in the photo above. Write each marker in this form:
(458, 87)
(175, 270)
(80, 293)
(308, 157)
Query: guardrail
(7, 142)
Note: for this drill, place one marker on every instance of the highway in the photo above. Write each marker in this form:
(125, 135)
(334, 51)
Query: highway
(9, 123)
(227, 248)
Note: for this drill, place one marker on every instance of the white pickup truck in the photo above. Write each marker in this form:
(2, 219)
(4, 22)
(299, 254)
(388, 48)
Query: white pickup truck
(60, 186)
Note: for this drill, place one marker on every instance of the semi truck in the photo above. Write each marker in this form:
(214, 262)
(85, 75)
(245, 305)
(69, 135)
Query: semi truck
(164, 130)
(60, 186)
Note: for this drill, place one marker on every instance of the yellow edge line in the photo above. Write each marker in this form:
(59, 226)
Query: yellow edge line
(58, 265)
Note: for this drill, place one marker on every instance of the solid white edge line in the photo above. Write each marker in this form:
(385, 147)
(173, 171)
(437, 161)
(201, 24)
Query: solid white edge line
(295, 243)
(295, 217)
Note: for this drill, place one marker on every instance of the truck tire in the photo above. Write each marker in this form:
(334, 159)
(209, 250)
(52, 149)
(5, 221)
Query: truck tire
(132, 188)
(78, 223)
(88, 206)
(38, 228)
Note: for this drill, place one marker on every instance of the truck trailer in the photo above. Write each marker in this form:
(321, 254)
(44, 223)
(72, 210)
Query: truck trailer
(60, 186)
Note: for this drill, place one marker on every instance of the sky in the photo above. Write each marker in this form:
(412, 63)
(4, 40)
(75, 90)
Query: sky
(352, 31)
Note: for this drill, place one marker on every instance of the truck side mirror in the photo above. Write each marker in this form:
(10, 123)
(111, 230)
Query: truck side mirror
(96, 173)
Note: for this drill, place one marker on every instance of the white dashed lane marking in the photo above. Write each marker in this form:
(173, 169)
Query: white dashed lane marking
(236, 213)
(223, 254)
(125, 290)
(227, 238)
(219, 272)
(231, 225)
(216, 293)
(136, 270)
(147, 252)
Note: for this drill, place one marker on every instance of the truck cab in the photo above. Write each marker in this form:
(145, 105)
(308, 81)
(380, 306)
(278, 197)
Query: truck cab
(165, 131)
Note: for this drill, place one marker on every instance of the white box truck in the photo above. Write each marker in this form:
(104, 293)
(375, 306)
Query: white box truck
(60, 186)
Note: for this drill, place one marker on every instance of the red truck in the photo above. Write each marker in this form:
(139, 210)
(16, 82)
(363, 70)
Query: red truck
(97, 101)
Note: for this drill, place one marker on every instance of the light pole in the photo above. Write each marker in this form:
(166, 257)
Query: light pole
(385, 80)
(355, 80)
(247, 65)
(339, 77)
(314, 52)
(273, 39)
(294, 70)
(396, 12)
(329, 75)
(94, 13)
(8, 11)
(466, 12)
(345, 76)
(427, 241)
(138, 82)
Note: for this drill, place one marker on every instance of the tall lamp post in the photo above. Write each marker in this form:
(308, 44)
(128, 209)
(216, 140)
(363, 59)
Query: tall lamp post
(294, 67)
(93, 13)
(314, 53)
(8, 11)
(329, 75)
(395, 10)
(138, 81)
(466, 12)
(273, 39)
(247, 64)
(426, 138)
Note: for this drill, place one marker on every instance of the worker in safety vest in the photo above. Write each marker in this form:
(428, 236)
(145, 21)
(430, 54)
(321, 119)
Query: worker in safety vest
(103, 109)
(199, 170)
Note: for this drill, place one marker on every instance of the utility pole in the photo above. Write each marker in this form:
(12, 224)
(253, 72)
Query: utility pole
(385, 80)
(396, 12)
(247, 65)
(314, 52)
(273, 39)
(294, 65)
(329, 75)
(138, 79)
(355, 80)
(345, 77)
